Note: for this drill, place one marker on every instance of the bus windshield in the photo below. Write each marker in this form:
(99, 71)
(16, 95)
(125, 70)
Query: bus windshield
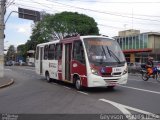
(104, 52)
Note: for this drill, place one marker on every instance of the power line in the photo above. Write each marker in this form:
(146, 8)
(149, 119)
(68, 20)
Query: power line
(69, 6)
(98, 18)
(44, 4)
(28, 6)
(114, 14)
(103, 25)
(123, 2)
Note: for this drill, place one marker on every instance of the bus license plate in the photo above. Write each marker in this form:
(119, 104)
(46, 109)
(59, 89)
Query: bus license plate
(112, 84)
(117, 69)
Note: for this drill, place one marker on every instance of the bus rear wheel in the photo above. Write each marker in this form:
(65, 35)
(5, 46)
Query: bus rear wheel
(48, 77)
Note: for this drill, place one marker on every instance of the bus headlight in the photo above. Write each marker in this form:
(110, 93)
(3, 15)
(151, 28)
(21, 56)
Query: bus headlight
(125, 70)
(94, 71)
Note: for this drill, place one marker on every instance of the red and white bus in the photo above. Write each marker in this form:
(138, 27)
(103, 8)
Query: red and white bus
(86, 61)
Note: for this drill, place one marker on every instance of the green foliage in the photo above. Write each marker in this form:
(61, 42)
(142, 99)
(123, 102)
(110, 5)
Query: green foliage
(69, 23)
(11, 53)
(22, 50)
(63, 24)
(58, 26)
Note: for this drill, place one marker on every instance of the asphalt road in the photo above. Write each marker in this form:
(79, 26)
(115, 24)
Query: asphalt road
(31, 94)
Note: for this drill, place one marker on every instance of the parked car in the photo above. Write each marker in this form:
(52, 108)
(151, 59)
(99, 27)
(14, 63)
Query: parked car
(9, 63)
(134, 67)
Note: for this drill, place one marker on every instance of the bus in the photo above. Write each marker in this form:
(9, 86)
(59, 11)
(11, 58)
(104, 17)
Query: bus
(85, 61)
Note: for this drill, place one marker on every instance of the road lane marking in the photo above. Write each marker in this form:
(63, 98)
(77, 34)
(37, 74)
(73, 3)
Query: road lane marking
(140, 89)
(119, 106)
(123, 109)
(83, 92)
(142, 81)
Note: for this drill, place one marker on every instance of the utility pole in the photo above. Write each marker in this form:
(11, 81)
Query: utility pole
(2, 12)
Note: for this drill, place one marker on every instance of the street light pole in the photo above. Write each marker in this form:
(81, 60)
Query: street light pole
(2, 12)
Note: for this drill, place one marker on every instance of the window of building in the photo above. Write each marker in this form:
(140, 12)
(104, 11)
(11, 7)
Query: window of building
(45, 52)
(127, 43)
(137, 42)
(51, 52)
(141, 41)
(145, 40)
(130, 43)
(134, 42)
(124, 43)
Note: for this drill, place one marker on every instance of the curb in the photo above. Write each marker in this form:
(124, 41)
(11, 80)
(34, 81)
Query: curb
(8, 84)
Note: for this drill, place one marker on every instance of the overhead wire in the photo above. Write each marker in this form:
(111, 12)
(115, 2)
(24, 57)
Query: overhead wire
(108, 13)
(42, 4)
(123, 2)
(115, 13)
(45, 5)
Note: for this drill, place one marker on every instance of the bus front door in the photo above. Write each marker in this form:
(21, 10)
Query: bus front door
(68, 48)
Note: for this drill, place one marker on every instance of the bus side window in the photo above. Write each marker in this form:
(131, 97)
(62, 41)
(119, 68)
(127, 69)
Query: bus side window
(45, 52)
(51, 52)
(78, 52)
(58, 52)
(37, 53)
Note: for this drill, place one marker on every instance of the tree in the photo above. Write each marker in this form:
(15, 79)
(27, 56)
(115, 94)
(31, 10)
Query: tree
(21, 50)
(58, 26)
(11, 53)
(61, 25)
(69, 24)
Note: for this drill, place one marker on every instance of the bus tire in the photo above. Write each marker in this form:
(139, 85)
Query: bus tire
(48, 77)
(78, 84)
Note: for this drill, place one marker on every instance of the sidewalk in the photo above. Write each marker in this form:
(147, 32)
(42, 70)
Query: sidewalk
(6, 81)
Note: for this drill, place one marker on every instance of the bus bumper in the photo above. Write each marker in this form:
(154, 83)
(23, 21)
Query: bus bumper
(98, 81)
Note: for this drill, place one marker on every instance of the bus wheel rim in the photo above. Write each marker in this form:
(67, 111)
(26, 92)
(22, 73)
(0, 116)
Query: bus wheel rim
(78, 84)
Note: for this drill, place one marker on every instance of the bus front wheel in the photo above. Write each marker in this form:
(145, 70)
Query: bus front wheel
(78, 84)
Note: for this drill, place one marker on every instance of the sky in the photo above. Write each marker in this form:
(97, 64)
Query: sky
(111, 16)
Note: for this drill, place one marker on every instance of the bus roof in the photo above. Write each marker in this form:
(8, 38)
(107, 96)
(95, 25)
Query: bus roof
(95, 36)
(51, 42)
(71, 39)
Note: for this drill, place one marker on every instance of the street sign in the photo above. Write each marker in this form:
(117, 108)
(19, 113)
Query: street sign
(29, 14)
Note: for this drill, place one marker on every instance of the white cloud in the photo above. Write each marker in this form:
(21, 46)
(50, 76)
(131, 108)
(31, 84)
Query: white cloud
(24, 29)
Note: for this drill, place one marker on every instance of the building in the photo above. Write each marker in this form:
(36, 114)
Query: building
(138, 46)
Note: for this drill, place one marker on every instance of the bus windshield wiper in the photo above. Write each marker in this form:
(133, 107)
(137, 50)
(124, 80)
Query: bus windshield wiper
(103, 52)
(113, 55)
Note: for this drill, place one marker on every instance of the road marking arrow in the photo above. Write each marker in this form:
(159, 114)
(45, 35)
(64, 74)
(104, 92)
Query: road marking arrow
(124, 109)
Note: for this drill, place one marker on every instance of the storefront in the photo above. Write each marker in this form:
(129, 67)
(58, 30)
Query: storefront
(138, 46)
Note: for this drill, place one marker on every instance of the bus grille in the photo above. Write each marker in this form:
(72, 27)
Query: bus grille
(118, 73)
